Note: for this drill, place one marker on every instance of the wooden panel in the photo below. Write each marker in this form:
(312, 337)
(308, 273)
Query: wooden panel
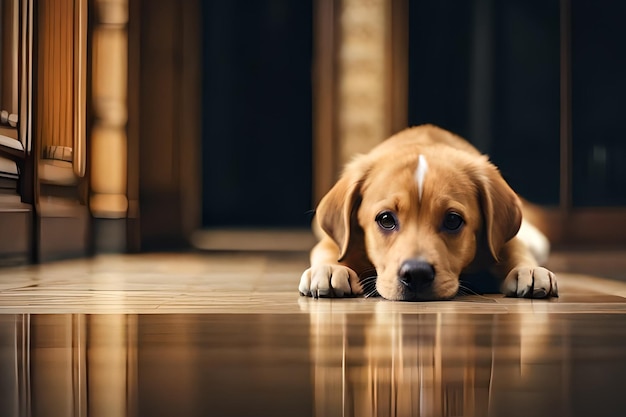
(9, 36)
(168, 120)
(581, 227)
(55, 86)
(15, 230)
(189, 123)
(397, 63)
(62, 230)
(324, 90)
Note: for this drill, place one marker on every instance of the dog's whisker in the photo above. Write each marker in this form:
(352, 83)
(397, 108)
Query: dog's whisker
(372, 293)
(464, 287)
(368, 280)
(467, 291)
(368, 284)
(368, 275)
(463, 290)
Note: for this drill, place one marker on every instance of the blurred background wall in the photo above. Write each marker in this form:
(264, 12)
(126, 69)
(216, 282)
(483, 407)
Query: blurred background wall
(232, 116)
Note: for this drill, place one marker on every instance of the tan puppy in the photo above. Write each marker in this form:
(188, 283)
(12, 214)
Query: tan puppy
(410, 217)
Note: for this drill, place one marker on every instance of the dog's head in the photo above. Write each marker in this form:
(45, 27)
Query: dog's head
(421, 216)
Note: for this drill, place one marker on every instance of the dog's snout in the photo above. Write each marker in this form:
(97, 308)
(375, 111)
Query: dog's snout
(416, 274)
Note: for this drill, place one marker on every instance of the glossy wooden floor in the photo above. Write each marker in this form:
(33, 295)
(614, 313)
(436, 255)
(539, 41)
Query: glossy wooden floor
(228, 335)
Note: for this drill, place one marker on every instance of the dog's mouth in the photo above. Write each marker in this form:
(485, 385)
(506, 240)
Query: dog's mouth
(426, 294)
(416, 280)
(418, 296)
(400, 292)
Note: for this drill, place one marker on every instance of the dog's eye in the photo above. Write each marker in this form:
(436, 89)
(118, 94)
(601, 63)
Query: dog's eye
(386, 220)
(453, 222)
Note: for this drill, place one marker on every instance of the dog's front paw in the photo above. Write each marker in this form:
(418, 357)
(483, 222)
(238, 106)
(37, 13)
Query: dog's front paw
(530, 282)
(329, 281)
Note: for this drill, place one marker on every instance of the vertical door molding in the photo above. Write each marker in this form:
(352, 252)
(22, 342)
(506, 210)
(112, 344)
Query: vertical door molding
(166, 108)
(360, 80)
(108, 140)
(324, 84)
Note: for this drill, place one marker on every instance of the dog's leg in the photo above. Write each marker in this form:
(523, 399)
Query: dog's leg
(522, 275)
(326, 277)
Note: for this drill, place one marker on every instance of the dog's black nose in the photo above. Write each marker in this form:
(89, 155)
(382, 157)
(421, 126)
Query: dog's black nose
(416, 274)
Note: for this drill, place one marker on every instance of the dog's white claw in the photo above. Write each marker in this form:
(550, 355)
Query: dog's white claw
(305, 282)
(327, 281)
(320, 281)
(340, 281)
(530, 282)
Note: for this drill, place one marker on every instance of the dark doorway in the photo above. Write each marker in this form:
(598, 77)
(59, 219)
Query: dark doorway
(598, 91)
(489, 71)
(257, 138)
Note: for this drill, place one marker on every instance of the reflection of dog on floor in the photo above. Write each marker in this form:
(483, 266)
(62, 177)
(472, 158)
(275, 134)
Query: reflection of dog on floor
(417, 212)
(383, 360)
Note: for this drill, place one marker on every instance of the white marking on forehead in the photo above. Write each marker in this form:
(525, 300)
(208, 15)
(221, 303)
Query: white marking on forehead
(420, 174)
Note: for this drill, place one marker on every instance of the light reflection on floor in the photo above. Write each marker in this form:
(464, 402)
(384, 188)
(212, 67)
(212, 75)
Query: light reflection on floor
(322, 364)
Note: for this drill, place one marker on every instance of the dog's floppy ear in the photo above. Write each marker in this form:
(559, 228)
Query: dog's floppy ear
(501, 208)
(336, 212)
